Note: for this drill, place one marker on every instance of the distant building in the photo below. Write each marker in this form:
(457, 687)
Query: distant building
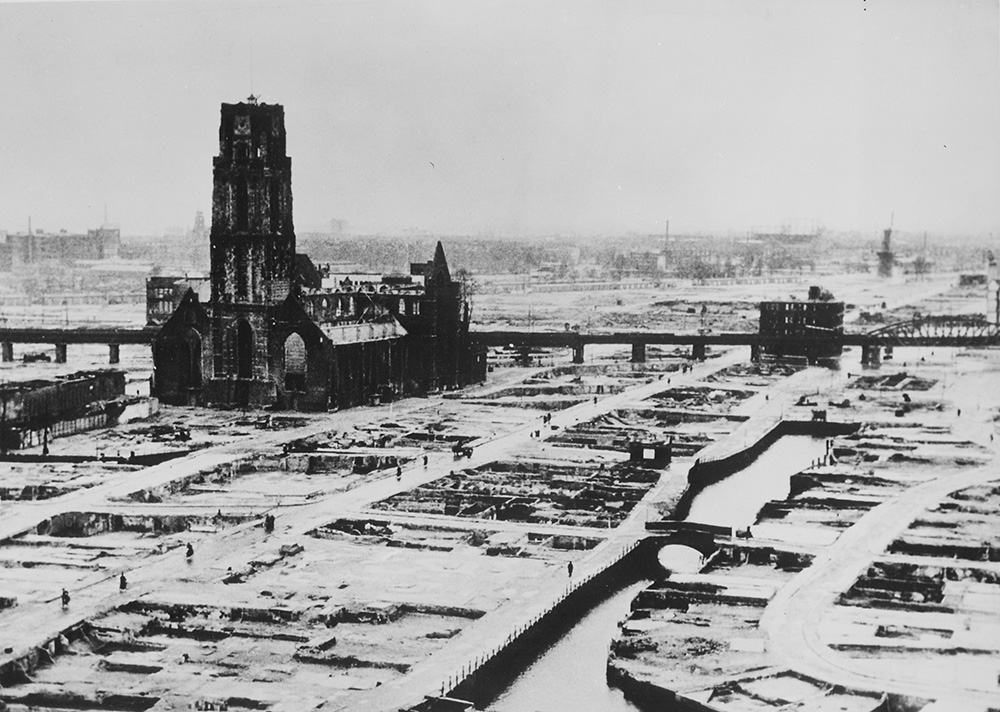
(338, 228)
(271, 334)
(886, 257)
(35, 247)
(785, 238)
(110, 239)
(199, 232)
(803, 328)
(972, 280)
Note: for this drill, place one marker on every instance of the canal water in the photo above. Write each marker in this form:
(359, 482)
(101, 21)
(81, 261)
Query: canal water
(735, 501)
(570, 676)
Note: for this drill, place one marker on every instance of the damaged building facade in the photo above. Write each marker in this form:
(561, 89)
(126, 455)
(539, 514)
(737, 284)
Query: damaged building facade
(270, 334)
(812, 328)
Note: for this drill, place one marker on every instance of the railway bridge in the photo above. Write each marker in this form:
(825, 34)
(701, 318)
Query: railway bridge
(113, 336)
(955, 331)
(941, 331)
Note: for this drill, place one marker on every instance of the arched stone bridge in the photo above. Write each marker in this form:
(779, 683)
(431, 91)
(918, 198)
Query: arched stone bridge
(703, 538)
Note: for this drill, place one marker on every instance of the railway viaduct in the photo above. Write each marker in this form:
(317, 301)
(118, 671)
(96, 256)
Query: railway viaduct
(940, 331)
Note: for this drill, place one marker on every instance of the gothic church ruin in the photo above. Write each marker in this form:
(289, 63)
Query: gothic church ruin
(271, 334)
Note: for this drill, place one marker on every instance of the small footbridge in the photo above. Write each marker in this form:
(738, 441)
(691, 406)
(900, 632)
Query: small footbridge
(703, 538)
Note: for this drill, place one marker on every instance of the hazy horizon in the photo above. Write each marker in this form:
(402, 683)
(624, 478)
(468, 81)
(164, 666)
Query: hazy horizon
(515, 118)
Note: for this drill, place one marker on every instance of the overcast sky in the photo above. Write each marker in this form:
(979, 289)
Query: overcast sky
(528, 117)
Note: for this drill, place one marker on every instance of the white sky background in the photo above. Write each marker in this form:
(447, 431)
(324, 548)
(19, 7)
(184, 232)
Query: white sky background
(538, 116)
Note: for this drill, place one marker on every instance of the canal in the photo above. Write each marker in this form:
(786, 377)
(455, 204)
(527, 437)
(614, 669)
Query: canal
(735, 500)
(570, 676)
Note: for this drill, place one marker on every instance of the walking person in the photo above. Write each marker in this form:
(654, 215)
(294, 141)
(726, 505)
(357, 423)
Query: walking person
(65, 598)
(569, 568)
(122, 582)
(190, 551)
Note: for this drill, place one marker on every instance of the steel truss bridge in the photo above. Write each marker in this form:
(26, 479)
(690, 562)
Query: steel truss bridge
(943, 331)
(937, 331)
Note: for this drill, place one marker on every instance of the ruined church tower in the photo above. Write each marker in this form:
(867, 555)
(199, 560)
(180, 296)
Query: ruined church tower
(270, 335)
(253, 243)
(253, 240)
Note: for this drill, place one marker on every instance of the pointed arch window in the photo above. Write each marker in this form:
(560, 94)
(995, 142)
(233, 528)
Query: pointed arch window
(243, 350)
(241, 203)
(295, 363)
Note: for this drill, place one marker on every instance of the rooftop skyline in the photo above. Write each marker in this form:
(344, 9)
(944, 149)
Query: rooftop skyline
(513, 117)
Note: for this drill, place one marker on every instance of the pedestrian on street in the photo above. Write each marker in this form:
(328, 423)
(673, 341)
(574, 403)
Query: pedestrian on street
(425, 461)
(122, 582)
(569, 568)
(65, 598)
(190, 551)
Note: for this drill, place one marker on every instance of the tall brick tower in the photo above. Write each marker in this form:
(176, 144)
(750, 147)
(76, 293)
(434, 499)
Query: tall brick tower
(253, 243)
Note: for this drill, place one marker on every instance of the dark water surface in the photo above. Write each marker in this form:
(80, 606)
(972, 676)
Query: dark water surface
(571, 675)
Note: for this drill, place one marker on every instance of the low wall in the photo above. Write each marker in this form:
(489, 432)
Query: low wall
(145, 460)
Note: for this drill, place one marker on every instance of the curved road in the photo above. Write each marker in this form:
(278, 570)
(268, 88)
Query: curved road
(792, 618)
